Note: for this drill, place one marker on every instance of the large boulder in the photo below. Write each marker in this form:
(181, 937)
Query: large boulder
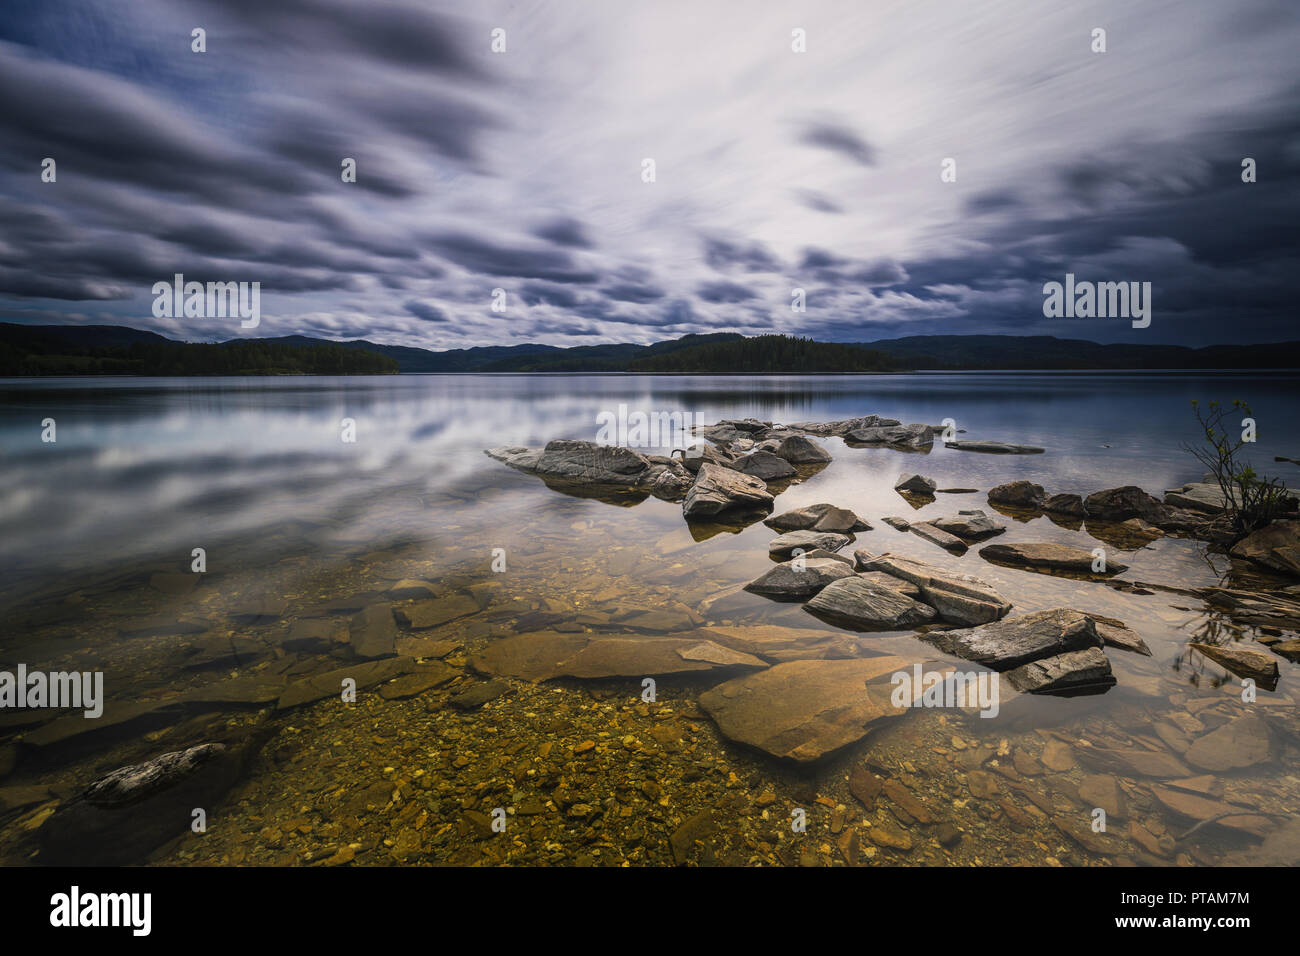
(915, 485)
(763, 464)
(1011, 643)
(1047, 556)
(1018, 494)
(717, 489)
(1071, 506)
(1276, 546)
(805, 710)
(800, 450)
(863, 605)
(1120, 504)
(796, 580)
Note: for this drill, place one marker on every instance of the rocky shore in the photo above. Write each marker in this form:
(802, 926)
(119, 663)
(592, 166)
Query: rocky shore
(472, 696)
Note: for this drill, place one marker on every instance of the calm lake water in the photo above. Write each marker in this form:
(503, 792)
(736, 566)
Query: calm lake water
(255, 471)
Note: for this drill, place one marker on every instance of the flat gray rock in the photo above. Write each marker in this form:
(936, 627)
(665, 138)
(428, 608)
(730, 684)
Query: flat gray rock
(969, 525)
(949, 542)
(807, 541)
(1071, 671)
(895, 436)
(1007, 644)
(763, 464)
(864, 605)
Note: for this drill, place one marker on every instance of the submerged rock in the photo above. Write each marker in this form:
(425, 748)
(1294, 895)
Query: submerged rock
(804, 710)
(546, 655)
(121, 818)
(863, 605)
(1242, 661)
(717, 489)
(995, 447)
(1049, 556)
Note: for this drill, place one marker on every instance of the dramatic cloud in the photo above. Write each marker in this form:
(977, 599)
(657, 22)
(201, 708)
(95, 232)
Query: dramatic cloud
(522, 170)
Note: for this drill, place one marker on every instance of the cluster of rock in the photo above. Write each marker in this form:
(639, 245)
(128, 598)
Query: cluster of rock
(707, 479)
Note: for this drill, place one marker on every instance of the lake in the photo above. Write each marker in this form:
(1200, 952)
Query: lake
(300, 528)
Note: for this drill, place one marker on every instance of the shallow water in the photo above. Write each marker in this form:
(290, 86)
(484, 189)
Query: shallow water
(255, 472)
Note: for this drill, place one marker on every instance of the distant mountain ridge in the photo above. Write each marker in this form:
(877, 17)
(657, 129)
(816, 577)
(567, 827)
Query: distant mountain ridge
(712, 353)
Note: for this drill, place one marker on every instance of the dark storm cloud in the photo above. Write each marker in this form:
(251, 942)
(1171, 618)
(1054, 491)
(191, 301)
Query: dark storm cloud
(408, 35)
(825, 266)
(565, 232)
(481, 255)
(425, 311)
(723, 291)
(633, 292)
(724, 254)
(539, 293)
(476, 170)
(839, 139)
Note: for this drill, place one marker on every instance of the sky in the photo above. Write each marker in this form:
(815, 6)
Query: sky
(775, 168)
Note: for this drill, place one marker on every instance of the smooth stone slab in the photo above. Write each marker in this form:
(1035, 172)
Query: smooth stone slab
(994, 447)
(804, 710)
(1063, 672)
(1047, 555)
(801, 578)
(807, 541)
